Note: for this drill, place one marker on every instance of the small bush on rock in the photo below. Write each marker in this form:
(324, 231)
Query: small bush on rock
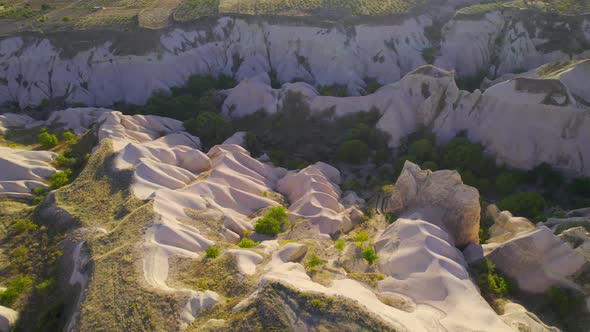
(248, 243)
(314, 261)
(340, 244)
(212, 252)
(369, 255)
(272, 223)
(491, 284)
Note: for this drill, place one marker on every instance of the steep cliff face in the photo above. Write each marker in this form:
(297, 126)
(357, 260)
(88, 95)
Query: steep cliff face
(508, 40)
(539, 117)
(129, 67)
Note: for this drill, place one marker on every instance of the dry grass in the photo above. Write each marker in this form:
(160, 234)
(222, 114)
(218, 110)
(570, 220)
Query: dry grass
(99, 196)
(158, 14)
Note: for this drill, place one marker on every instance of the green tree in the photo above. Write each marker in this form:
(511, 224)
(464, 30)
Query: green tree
(461, 154)
(353, 152)
(47, 140)
(211, 128)
(421, 149)
(59, 179)
(581, 187)
(431, 165)
(528, 204)
(506, 183)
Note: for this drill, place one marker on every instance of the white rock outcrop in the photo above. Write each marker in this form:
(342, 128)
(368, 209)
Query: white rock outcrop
(9, 121)
(422, 264)
(7, 318)
(442, 198)
(100, 74)
(506, 226)
(314, 195)
(24, 170)
(537, 260)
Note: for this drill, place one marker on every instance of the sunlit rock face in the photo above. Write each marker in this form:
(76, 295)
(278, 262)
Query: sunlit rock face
(112, 70)
(442, 197)
(538, 260)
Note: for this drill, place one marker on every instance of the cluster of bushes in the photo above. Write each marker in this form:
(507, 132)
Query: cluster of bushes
(74, 152)
(30, 270)
(492, 285)
(509, 187)
(195, 103)
(291, 136)
(273, 221)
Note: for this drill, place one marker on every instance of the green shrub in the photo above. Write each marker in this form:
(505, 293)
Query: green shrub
(212, 252)
(69, 137)
(581, 187)
(361, 236)
(546, 176)
(211, 128)
(400, 162)
(252, 144)
(66, 19)
(431, 165)
(47, 140)
(317, 304)
(351, 184)
(491, 284)
(247, 243)
(59, 179)
(14, 288)
(372, 85)
(461, 154)
(340, 244)
(506, 183)
(64, 161)
(45, 286)
(353, 152)
(314, 261)
(528, 204)
(560, 300)
(484, 229)
(335, 90)
(370, 255)
(273, 222)
(421, 149)
(390, 217)
(21, 225)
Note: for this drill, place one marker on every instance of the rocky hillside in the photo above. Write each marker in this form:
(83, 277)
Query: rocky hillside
(182, 239)
(99, 68)
(423, 172)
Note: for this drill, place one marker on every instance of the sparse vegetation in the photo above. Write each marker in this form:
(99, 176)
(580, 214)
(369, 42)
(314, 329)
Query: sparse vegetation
(340, 244)
(313, 262)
